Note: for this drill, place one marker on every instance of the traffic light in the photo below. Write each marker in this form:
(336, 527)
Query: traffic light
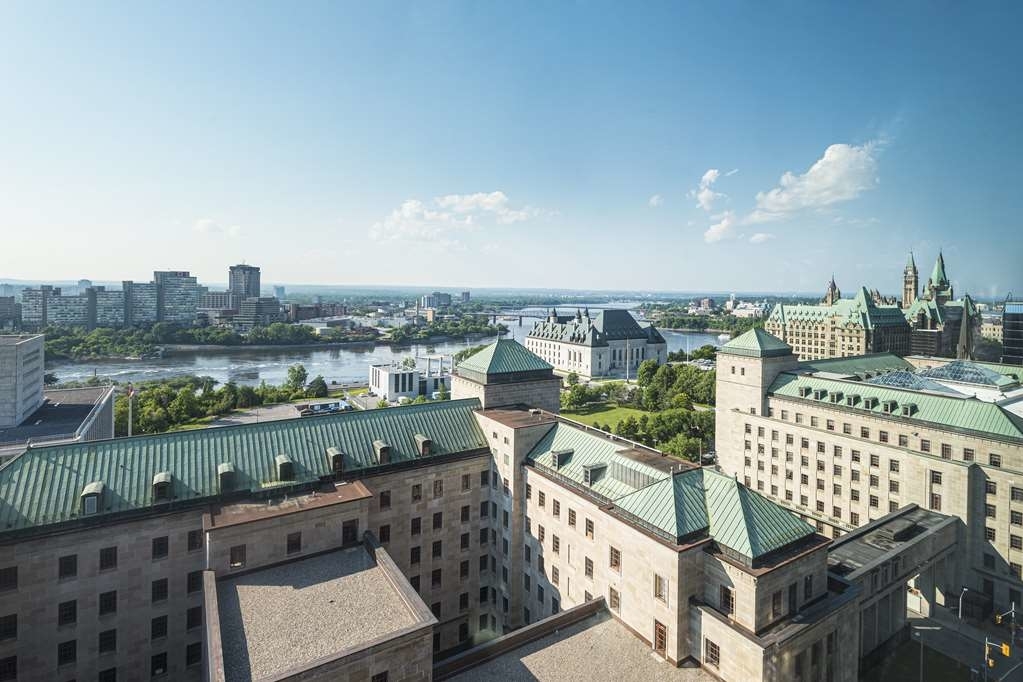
(998, 619)
(1005, 649)
(991, 663)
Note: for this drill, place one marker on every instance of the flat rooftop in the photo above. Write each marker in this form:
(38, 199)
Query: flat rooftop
(595, 649)
(284, 617)
(62, 414)
(328, 495)
(15, 339)
(863, 548)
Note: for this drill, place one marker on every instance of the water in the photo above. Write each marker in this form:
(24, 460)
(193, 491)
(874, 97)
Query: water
(342, 365)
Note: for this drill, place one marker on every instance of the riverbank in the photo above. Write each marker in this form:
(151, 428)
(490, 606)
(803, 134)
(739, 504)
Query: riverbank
(693, 331)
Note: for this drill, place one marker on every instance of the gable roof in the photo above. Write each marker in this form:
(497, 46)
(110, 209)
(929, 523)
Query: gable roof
(757, 343)
(861, 366)
(504, 356)
(42, 485)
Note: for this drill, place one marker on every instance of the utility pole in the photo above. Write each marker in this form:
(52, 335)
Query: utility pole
(1003, 648)
(999, 617)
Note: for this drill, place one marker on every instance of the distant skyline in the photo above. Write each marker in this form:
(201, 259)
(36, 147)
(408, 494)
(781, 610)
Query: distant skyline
(585, 146)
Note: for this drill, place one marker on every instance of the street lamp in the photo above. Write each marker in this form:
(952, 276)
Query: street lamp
(961, 595)
(919, 632)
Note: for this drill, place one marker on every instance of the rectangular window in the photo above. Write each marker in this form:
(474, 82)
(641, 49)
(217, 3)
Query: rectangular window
(989, 534)
(925, 445)
(294, 543)
(193, 618)
(108, 558)
(882, 436)
(237, 556)
(414, 555)
(417, 526)
(67, 566)
(385, 499)
(994, 460)
(9, 627)
(158, 664)
(194, 581)
(9, 669)
(8, 578)
(438, 520)
(712, 654)
(159, 590)
(936, 477)
(158, 627)
(438, 488)
(466, 482)
(556, 508)
(588, 568)
(807, 587)
(589, 529)
(946, 451)
(161, 547)
(417, 492)
(193, 654)
(67, 652)
(935, 502)
(385, 533)
(989, 511)
(614, 600)
(616, 560)
(727, 600)
(67, 613)
(107, 641)
(968, 454)
(541, 498)
(776, 604)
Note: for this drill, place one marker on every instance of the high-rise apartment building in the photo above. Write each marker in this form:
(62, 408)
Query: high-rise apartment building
(279, 293)
(243, 280)
(141, 303)
(258, 312)
(1012, 333)
(177, 296)
(842, 442)
(21, 378)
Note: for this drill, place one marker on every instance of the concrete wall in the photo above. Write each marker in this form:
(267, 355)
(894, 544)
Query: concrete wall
(544, 394)
(21, 378)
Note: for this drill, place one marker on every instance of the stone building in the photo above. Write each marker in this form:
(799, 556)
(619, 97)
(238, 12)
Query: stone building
(390, 544)
(842, 442)
(840, 327)
(611, 343)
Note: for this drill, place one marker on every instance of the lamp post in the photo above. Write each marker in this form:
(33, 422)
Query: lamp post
(920, 633)
(961, 595)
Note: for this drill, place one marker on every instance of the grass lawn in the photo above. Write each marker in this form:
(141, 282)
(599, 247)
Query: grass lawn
(904, 664)
(602, 413)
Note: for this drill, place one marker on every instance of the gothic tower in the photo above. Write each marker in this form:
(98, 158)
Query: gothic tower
(910, 283)
(832, 294)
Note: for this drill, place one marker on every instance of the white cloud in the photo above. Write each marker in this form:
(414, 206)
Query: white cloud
(442, 217)
(760, 237)
(843, 173)
(731, 172)
(212, 227)
(721, 229)
(704, 195)
(655, 201)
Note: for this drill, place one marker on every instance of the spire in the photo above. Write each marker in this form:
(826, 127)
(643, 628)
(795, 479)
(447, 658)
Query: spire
(911, 264)
(938, 277)
(964, 348)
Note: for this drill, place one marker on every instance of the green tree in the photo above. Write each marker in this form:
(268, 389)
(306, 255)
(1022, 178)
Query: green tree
(443, 393)
(383, 403)
(317, 388)
(297, 377)
(646, 372)
(572, 379)
(184, 407)
(466, 353)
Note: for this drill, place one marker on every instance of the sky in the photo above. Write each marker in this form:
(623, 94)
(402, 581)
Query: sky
(593, 145)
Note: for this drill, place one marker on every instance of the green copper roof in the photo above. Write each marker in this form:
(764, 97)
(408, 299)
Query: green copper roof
(951, 412)
(860, 311)
(504, 356)
(938, 276)
(861, 366)
(757, 343)
(42, 485)
(911, 264)
(704, 500)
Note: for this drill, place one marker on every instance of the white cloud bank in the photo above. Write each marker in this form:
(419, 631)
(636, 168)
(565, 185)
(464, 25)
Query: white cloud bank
(441, 217)
(655, 201)
(704, 195)
(843, 173)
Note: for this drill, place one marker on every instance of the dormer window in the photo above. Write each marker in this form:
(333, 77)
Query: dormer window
(91, 498)
(424, 446)
(559, 458)
(383, 451)
(889, 406)
(336, 459)
(226, 475)
(162, 487)
(804, 391)
(285, 468)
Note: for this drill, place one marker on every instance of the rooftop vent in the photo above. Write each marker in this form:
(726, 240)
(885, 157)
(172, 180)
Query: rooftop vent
(889, 406)
(226, 476)
(91, 497)
(285, 468)
(162, 486)
(382, 451)
(908, 409)
(559, 458)
(593, 473)
(336, 459)
(424, 446)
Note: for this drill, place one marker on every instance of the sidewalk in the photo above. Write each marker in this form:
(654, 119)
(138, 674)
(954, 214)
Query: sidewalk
(964, 641)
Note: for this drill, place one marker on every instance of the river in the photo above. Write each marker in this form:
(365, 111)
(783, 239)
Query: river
(342, 365)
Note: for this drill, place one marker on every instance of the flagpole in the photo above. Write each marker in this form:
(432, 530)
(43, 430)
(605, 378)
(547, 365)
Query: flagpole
(131, 395)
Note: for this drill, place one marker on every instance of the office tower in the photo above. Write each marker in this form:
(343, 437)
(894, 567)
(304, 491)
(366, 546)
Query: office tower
(244, 281)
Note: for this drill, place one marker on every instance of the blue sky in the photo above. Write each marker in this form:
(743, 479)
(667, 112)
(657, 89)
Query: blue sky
(673, 146)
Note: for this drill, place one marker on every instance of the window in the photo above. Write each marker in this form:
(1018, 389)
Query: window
(194, 581)
(385, 533)
(660, 588)
(874, 501)
(616, 560)
(414, 555)
(893, 486)
(1016, 542)
(541, 498)
(159, 590)
(9, 627)
(614, 600)
(417, 491)
(67, 652)
(67, 566)
(882, 436)
(540, 533)
(107, 641)
(436, 549)
(294, 543)
(414, 582)
(935, 501)
(556, 508)
(160, 547)
(855, 455)
(588, 568)
(994, 460)
(237, 556)
(968, 454)
(8, 578)
(727, 600)
(903, 441)
(807, 587)
(776, 604)
(875, 461)
(589, 529)
(385, 499)
(813, 421)
(158, 627)
(417, 526)
(936, 477)
(830, 425)
(193, 617)
(438, 520)
(712, 654)
(465, 514)
(864, 432)
(438, 488)
(989, 511)
(8, 669)
(571, 518)
(108, 558)
(893, 466)
(989, 534)
(946, 451)
(925, 445)
(158, 664)
(67, 612)
(436, 578)
(1016, 518)
(193, 654)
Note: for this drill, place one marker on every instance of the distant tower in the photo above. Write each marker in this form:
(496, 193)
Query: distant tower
(910, 283)
(243, 280)
(939, 289)
(832, 294)
(964, 347)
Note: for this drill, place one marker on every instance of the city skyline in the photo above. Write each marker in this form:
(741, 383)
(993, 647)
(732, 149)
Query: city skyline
(729, 150)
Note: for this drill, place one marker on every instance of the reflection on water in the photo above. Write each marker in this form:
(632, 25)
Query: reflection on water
(335, 364)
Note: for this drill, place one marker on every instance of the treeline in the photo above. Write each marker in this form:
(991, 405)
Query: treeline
(461, 327)
(163, 405)
(77, 343)
(729, 323)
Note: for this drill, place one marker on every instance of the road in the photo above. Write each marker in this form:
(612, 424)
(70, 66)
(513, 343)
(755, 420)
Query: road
(259, 414)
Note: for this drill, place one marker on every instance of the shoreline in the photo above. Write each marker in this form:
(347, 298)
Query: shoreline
(694, 331)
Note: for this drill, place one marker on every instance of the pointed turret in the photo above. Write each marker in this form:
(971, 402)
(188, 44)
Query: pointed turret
(833, 293)
(964, 347)
(911, 264)
(938, 277)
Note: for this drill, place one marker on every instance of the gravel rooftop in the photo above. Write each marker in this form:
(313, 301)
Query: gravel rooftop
(279, 618)
(596, 649)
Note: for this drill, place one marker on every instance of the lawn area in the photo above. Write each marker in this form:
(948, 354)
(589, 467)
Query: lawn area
(602, 413)
(904, 664)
